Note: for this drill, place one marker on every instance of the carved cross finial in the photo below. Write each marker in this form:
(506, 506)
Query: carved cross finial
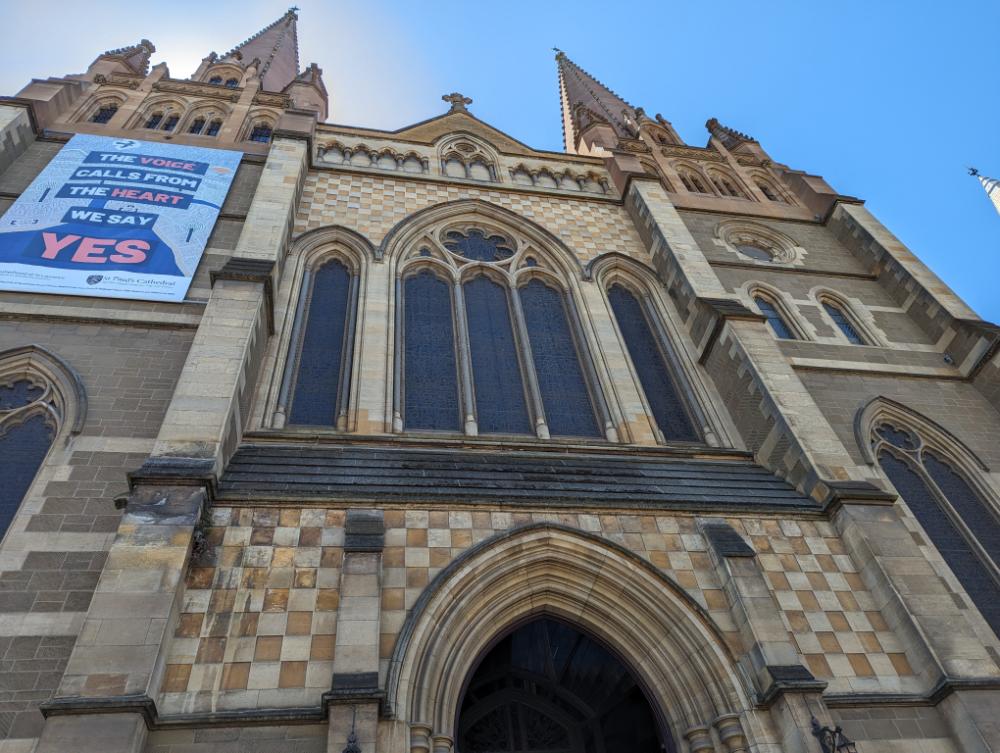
(973, 171)
(458, 101)
(294, 9)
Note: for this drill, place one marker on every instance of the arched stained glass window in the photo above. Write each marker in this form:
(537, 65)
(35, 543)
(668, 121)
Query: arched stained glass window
(323, 370)
(25, 436)
(568, 407)
(215, 80)
(196, 126)
(171, 122)
(774, 318)
(213, 128)
(477, 246)
(499, 390)
(261, 132)
(843, 323)
(232, 83)
(956, 549)
(104, 113)
(650, 365)
(430, 374)
(154, 120)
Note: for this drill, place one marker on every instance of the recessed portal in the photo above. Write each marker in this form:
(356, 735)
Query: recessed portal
(548, 688)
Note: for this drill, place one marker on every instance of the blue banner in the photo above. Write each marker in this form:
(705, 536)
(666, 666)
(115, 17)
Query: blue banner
(117, 218)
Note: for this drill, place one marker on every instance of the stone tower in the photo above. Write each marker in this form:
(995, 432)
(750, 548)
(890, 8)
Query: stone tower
(459, 445)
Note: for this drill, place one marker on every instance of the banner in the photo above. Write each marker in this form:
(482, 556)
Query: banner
(116, 218)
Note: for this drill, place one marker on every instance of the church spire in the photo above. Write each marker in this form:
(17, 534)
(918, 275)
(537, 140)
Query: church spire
(990, 185)
(586, 101)
(275, 51)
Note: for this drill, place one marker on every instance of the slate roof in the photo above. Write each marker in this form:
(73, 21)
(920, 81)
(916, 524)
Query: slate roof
(394, 474)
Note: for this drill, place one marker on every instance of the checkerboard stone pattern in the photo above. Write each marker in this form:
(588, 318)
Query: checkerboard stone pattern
(260, 608)
(372, 205)
(259, 613)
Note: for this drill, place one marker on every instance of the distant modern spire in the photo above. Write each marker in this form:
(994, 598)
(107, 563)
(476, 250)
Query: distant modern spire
(990, 185)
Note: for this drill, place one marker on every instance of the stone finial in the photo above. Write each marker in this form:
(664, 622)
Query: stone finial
(458, 102)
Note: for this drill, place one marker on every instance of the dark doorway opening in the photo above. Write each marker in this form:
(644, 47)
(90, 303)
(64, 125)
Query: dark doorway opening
(548, 688)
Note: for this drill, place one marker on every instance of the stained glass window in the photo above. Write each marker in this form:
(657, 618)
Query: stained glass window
(215, 80)
(232, 83)
(774, 318)
(650, 366)
(104, 113)
(429, 363)
(843, 323)
(261, 132)
(23, 445)
(954, 547)
(568, 407)
(477, 246)
(196, 125)
(171, 122)
(500, 401)
(213, 128)
(322, 353)
(154, 120)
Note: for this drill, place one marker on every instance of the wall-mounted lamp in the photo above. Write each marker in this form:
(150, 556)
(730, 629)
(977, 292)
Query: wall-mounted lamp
(832, 740)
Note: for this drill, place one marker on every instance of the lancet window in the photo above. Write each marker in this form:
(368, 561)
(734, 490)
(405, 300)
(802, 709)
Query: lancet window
(154, 120)
(261, 132)
(318, 376)
(213, 128)
(653, 360)
(27, 428)
(104, 113)
(959, 519)
(840, 317)
(775, 320)
(489, 341)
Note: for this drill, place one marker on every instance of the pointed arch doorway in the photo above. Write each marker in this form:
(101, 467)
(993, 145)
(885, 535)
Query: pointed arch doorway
(547, 687)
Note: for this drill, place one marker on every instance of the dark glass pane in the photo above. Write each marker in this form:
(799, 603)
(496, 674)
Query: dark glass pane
(232, 83)
(840, 319)
(104, 114)
(477, 246)
(654, 374)
(568, 408)
(213, 128)
(22, 450)
(896, 437)
(963, 561)
(197, 125)
(549, 687)
(755, 252)
(500, 405)
(976, 514)
(429, 363)
(774, 319)
(261, 133)
(171, 123)
(215, 80)
(322, 351)
(154, 120)
(18, 394)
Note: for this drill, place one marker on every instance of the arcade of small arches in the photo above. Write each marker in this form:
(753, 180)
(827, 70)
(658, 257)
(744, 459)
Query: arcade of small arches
(173, 116)
(488, 338)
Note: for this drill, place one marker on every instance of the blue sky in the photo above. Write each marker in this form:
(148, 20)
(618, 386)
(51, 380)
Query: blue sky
(888, 100)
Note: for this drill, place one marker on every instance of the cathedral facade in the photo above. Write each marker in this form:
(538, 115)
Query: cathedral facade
(455, 445)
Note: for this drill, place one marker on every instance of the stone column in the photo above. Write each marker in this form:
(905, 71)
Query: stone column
(355, 695)
(107, 697)
(769, 657)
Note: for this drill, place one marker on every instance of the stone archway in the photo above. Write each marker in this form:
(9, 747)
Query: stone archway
(546, 570)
